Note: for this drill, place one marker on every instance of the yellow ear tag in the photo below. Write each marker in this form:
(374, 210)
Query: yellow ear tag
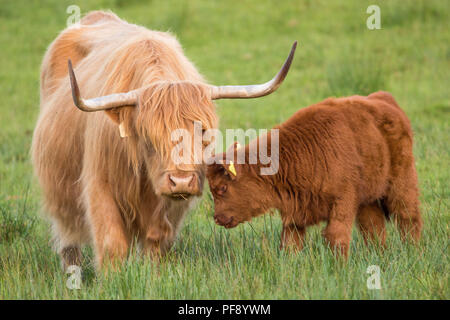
(231, 168)
(122, 131)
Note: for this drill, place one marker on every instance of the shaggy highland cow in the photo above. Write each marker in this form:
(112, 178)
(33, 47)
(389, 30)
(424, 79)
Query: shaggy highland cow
(105, 166)
(341, 160)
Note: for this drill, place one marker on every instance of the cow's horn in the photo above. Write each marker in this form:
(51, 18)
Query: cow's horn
(257, 90)
(100, 103)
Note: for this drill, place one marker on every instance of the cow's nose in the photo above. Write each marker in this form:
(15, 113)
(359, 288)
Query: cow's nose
(183, 184)
(181, 181)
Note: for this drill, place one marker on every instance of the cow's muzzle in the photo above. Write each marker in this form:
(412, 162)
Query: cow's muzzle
(182, 185)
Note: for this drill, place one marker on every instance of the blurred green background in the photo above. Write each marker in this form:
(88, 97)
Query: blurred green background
(240, 42)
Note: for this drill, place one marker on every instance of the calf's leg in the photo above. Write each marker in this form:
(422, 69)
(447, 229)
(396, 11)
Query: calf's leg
(371, 223)
(292, 237)
(402, 202)
(402, 198)
(338, 231)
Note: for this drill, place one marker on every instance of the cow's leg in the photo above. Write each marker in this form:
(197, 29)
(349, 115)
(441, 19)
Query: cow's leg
(68, 237)
(371, 223)
(71, 256)
(157, 242)
(111, 239)
(338, 231)
(163, 228)
(154, 244)
(292, 237)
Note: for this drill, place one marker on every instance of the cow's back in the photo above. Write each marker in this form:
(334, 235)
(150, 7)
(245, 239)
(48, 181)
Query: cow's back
(72, 43)
(98, 34)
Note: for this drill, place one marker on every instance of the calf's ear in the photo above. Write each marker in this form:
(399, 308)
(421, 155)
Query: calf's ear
(230, 169)
(234, 147)
(222, 169)
(219, 165)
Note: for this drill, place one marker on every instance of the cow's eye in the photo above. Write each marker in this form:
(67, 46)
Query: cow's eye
(222, 189)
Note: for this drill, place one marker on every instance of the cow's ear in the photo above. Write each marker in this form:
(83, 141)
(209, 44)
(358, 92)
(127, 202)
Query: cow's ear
(123, 118)
(113, 114)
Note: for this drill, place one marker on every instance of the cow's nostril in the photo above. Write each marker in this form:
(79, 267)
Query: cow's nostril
(172, 183)
(191, 183)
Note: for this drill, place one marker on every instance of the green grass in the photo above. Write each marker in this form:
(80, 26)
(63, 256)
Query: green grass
(235, 42)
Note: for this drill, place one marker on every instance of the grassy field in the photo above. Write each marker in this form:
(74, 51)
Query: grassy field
(236, 42)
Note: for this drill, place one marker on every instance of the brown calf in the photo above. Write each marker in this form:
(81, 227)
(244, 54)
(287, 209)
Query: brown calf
(339, 160)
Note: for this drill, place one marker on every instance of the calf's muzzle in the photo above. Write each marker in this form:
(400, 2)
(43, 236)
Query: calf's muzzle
(225, 221)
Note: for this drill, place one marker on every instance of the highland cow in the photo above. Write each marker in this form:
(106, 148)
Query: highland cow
(105, 165)
(341, 160)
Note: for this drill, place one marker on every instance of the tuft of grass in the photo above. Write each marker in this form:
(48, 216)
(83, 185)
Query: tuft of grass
(15, 224)
(356, 74)
(408, 12)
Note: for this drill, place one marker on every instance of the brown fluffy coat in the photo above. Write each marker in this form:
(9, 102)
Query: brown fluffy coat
(338, 160)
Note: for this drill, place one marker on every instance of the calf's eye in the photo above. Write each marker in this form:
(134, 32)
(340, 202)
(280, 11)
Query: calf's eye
(222, 189)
